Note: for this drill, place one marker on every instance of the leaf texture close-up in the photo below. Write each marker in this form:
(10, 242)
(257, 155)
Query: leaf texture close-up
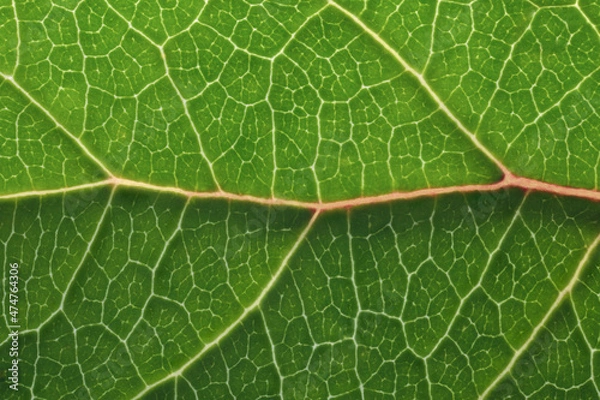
(288, 199)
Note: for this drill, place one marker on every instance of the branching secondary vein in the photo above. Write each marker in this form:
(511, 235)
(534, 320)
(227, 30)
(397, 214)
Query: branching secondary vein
(543, 323)
(243, 315)
(425, 86)
(75, 139)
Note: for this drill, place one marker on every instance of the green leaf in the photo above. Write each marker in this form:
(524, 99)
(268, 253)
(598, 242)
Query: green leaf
(294, 199)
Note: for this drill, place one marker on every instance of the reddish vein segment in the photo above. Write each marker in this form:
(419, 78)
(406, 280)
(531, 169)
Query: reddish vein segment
(510, 181)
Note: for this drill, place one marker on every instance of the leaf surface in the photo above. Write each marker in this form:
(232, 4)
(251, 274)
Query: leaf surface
(290, 199)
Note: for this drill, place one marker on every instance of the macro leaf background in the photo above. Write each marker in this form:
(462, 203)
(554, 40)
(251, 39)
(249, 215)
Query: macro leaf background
(301, 199)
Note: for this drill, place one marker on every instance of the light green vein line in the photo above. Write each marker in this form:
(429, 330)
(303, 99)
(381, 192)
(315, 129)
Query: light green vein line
(273, 352)
(130, 25)
(18, 46)
(425, 85)
(281, 53)
(490, 259)
(75, 139)
(587, 19)
(87, 250)
(358, 305)
(588, 341)
(534, 334)
(192, 22)
(182, 99)
(50, 192)
(242, 316)
(273, 130)
(186, 111)
(178, 229)
(84, 257)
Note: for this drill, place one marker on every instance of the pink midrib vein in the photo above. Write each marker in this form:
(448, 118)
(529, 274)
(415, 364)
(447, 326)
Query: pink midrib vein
(508, 182)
